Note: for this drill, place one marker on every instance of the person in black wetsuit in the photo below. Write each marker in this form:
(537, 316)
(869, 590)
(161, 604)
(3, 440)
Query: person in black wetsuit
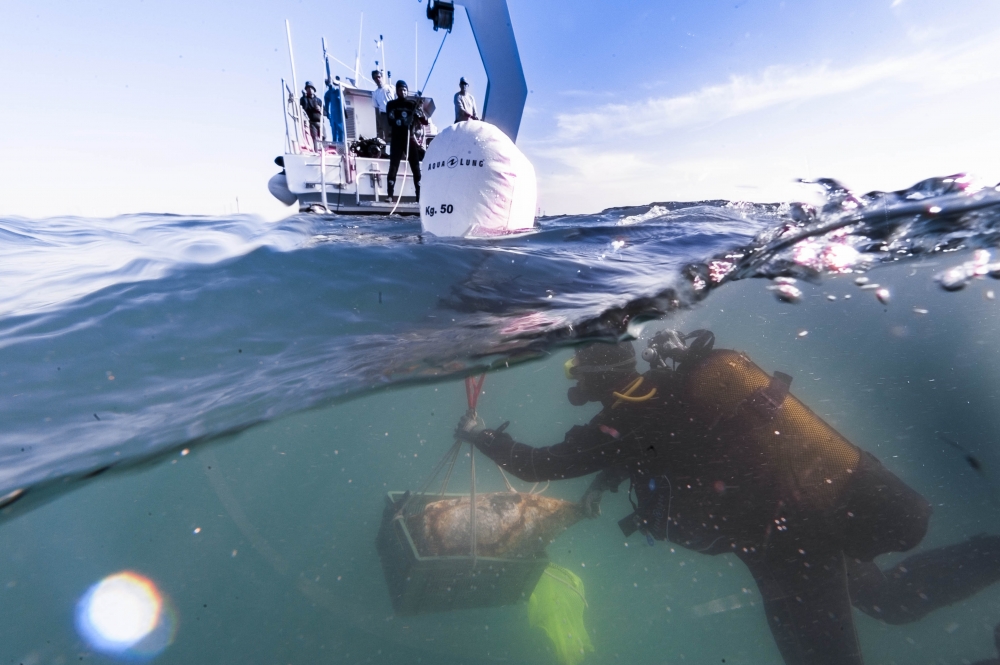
(313, 107)
(404, 115)
(723, 458)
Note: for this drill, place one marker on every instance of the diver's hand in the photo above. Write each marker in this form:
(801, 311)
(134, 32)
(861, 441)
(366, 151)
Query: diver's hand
(482, 439)
(591, 502)
(467, 424)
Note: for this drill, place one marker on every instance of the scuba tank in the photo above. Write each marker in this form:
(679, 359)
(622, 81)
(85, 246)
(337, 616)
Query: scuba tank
(778, 448)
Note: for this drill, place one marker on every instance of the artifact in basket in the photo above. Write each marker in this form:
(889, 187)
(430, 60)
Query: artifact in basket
(508, 525)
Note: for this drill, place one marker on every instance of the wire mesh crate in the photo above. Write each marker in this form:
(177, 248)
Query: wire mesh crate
(423, 584)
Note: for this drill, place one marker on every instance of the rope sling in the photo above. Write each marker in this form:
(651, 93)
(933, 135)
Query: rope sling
(473, 389)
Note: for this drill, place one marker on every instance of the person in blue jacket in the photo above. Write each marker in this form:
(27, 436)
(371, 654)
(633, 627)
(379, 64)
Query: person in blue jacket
(332, 109)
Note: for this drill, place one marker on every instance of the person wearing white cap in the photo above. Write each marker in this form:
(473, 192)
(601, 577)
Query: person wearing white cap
(465, 103)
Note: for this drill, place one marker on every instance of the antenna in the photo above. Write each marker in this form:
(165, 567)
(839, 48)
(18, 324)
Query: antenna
(357, 59)
(416, 52)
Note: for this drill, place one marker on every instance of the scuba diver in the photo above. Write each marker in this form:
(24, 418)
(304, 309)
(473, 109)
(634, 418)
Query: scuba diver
(723, 458)
(405, 117)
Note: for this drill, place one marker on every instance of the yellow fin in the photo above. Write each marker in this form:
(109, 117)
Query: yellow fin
(556, 606)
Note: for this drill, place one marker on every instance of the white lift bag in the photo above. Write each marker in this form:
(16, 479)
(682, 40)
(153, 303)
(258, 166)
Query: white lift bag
(475, 183)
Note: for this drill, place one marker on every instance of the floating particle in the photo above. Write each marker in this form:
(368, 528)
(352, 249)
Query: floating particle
(847, 296)
(883, 296)
(786, 293)
(919, 310)
(861, 281)
(954, 279)
(803, 333)
(184, 452)
(990, 295)
(870, 287)
(831, 298)
(197, 530)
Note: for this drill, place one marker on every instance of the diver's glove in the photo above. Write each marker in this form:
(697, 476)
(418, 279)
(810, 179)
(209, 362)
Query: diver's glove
(482, 439)
(590, 503)
(605, 481)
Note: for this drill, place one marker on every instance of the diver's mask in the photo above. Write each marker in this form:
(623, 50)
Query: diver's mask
(592, 367)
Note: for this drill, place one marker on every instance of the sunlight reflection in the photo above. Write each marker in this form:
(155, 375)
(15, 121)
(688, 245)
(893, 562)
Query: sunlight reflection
(125, 615)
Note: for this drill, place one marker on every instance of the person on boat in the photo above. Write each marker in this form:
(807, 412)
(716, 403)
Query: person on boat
(465, 103)
(313, 107)
(333, 110)
(405, 115)
(722, 458)
(380, 100)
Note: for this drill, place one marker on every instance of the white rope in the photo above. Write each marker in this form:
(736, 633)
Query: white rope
(510, 488)
(407, 162)
(472, 501)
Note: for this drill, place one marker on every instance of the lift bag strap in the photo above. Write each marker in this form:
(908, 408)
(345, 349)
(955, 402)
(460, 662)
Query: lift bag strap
(766, 402)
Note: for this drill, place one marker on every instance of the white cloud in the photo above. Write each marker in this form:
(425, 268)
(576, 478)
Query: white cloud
(929, 70)
(883, 124)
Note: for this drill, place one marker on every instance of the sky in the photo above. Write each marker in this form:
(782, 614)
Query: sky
(127, 106)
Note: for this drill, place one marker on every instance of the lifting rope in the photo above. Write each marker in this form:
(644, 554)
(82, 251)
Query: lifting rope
(421, 91)
(473, 389)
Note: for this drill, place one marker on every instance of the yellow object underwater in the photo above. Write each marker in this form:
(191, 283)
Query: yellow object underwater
(627, 395)
(556, 606)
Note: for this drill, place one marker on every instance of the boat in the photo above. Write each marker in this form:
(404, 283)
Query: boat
(349, 176)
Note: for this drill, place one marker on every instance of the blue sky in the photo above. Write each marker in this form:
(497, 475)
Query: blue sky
(130, 106)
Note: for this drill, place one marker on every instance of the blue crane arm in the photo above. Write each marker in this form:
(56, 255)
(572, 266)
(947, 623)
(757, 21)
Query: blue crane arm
(506, 89)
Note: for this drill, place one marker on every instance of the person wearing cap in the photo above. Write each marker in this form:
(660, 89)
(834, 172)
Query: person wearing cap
(380, 100)
(313, 107)
(722, 459)
(333, 110)
(404, 115)
(465, 103)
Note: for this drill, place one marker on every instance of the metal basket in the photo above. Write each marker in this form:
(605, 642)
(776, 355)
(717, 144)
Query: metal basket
(424, 584)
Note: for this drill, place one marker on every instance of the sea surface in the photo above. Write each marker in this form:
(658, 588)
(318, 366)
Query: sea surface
(212, 409)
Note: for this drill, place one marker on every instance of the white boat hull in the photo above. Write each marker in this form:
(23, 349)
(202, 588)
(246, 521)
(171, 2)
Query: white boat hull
(355, 186)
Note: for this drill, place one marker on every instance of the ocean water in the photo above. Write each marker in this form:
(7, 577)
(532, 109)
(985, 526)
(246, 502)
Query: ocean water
(219, 406)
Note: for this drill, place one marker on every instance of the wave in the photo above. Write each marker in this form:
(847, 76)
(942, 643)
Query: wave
(122, 339)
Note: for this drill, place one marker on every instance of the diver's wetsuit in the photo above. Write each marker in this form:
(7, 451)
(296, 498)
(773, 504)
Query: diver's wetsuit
(723, 459)
(403, 114)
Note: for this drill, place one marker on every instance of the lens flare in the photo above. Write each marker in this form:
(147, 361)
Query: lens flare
(125, 615)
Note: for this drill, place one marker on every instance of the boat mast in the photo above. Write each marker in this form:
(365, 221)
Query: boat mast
(385, 67)
(291, 56)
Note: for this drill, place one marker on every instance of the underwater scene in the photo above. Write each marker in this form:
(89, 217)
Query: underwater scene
(210, 427)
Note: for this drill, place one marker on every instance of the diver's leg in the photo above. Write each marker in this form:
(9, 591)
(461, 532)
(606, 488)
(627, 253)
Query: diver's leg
(883, 514)
(394, 159)
(808, 608)
(924, 582)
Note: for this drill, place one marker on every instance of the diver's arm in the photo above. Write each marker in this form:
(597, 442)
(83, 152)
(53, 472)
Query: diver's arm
(585, 450)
